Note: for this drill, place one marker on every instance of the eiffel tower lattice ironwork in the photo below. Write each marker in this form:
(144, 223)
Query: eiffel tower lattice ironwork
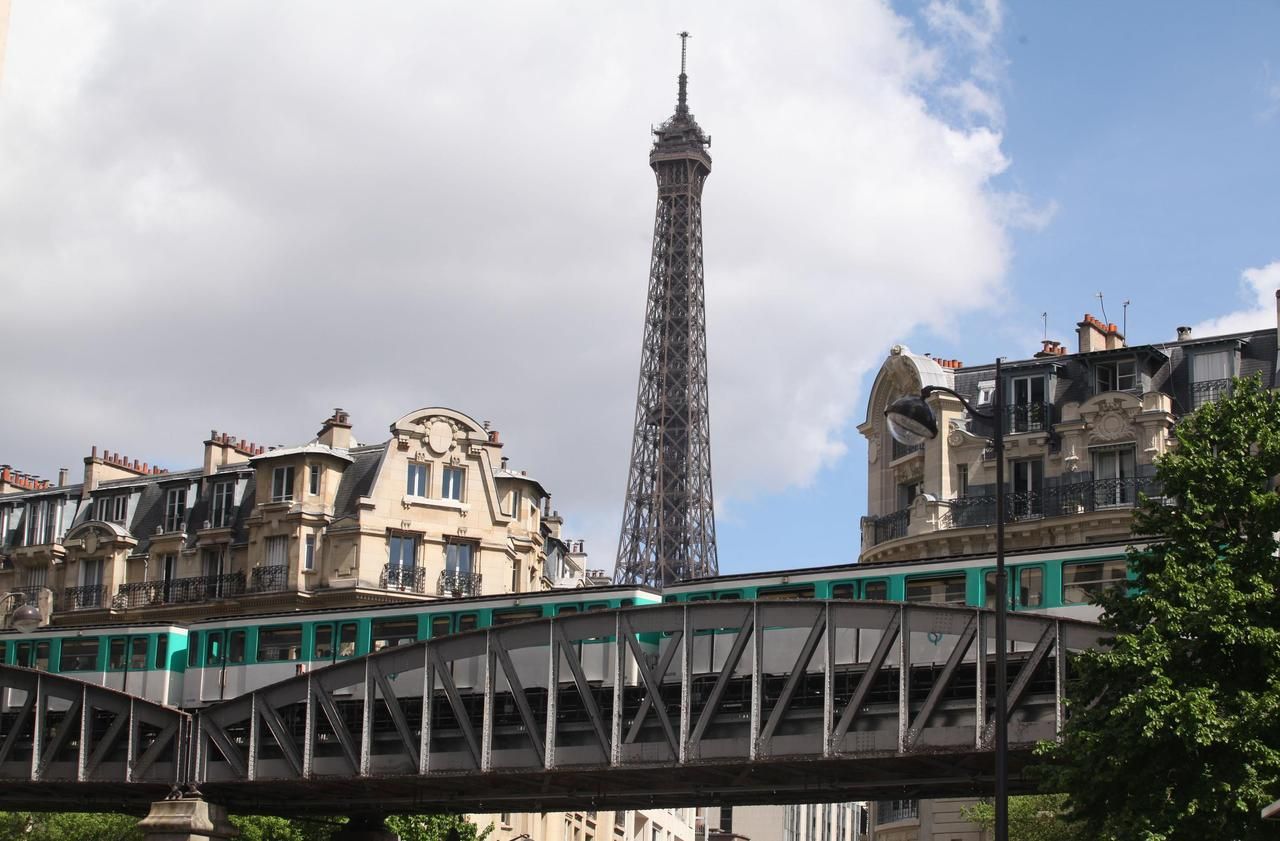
(668, 527)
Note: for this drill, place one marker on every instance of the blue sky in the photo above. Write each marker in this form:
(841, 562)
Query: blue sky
(1151, 132)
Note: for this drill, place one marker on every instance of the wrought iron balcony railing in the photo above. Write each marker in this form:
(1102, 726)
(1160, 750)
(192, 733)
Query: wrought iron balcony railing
(85, 597)
(1208, 391)
(454, 583)
(900, 449)
(270, 579)
(1076, 498)
(179, 590)
(1028, 417)
(890, 526)
(410, 579)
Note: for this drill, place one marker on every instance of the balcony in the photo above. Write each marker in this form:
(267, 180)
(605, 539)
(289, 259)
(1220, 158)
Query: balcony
(1208, 391)
(87, 597)
(890, 526)
(272, 579)
(1028, 417)
(1077, 498)
(179, 591)
(407, 579)
(459, 584)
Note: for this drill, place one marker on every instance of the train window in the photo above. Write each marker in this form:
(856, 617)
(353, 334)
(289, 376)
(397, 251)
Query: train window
(729, 597)
(279, 644)
(215, 650)
(671, 598)
(193, 651)
(1083, 583)
(392, 632)
(439, 626)
(506, 617)
(875, 590)
(989, 590)
(346, 639)
(4, 651)
(940, 589)
(842, 591)
(42, 656)
(626, 602)
(78, 655)
(566, 609)
(235, 647)
(116, 658)
(781, 593)
(162, 651)
(592, 608)
(467, 622)
(1030, 587)
(700, 597)
(138, 654)
(324, 642)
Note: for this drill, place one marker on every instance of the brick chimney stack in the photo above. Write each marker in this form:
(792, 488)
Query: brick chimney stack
(1096, 336)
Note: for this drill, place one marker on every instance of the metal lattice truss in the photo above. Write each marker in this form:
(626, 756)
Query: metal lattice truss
(664, 705)
(58, 730)
(668, 527)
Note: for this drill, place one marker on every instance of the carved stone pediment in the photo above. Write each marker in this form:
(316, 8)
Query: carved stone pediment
(1110, 418)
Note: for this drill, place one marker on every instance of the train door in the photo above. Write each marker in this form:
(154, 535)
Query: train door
(1026, 587)
(333, 641)
(32, 654)
(223, 651)
(127, 663)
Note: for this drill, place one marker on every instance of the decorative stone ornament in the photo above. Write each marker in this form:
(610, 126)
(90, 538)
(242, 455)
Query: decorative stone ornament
(439, 436)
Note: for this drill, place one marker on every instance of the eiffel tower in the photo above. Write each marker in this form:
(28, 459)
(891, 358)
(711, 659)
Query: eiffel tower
(668, 526)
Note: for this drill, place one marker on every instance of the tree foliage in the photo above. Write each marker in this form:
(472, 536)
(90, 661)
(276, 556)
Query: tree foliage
(1175, 729)
(93, 826)
(1038, 817)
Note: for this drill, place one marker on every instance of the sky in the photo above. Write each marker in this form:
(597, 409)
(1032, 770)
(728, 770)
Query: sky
(238, 216)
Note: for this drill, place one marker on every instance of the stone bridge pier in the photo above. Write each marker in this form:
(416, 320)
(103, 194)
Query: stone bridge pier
(192, 818)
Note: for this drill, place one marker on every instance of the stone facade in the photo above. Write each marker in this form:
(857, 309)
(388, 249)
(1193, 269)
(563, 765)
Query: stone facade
(432, 512)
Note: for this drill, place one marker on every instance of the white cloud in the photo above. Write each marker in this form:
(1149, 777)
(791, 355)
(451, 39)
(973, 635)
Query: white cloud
(239, 216)
(1258, 288)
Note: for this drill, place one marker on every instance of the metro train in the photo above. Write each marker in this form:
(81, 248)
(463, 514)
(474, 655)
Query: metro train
(198, 663)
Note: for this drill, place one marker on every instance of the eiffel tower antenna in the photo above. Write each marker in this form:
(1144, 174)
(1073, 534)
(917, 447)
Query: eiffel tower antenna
(668, 524)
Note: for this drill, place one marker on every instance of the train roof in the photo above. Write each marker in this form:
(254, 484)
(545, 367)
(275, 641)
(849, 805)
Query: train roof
(890, 567)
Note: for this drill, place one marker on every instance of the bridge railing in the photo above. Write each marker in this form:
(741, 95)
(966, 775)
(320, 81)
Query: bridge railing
(675, 686)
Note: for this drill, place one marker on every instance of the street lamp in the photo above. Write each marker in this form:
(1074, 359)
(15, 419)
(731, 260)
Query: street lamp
(26, 617)
(912, 422)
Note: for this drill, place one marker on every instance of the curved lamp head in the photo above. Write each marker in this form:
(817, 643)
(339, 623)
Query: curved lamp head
(911, 421)
(26, 618)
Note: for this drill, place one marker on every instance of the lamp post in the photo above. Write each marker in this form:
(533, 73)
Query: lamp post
(26, 617)
(912, 422)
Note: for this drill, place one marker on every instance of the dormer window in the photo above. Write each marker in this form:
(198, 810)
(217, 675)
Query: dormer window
(223, 499)
(1210, 376)
(175, 507)
(282, 484)
(112, 509)
(1115, 376)
(986, 392)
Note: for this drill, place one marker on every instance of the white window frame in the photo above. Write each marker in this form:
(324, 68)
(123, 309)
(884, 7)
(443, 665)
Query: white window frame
(222, 505)
(453, 483)
(309, 553)
(517, 498)
(313, 479)
(175, 508)
(1117, 375)
(282, 479)
(417, 479)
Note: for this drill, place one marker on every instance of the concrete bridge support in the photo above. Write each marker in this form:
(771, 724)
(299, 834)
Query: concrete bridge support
(187, 819)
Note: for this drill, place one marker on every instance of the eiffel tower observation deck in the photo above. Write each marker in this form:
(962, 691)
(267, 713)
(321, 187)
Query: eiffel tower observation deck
(668, 526)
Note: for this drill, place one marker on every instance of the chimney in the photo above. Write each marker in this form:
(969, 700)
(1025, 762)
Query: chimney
(1184, 333)
(63, 473)
(1115, 339)
(505, 459)
(336, 431)
(1092, 333)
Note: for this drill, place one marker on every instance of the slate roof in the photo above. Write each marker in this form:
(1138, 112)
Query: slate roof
(358, 478)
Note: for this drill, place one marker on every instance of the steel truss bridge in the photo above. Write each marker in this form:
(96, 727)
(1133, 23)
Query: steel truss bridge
(676, 704)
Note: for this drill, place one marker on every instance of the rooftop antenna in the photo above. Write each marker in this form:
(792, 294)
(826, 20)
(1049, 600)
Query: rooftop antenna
(1044, 316)
(682, 104)
(1124, 318)
(1104, 309)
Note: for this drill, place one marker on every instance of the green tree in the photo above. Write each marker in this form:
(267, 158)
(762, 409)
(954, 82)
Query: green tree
(1175, 729)
(1037, 817)
(433, 827)
(62, 826)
